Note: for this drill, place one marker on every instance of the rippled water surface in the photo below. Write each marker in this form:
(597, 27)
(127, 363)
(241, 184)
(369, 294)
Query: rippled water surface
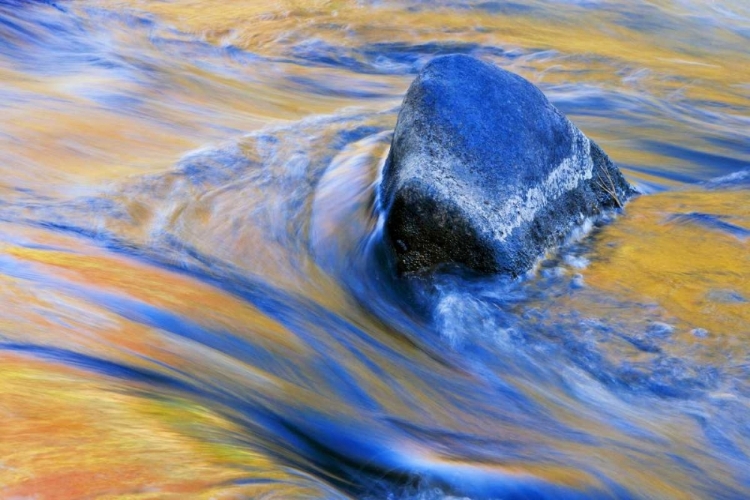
(193, 303)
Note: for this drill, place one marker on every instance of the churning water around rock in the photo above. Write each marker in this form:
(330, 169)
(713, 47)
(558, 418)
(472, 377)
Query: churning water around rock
(193, 303)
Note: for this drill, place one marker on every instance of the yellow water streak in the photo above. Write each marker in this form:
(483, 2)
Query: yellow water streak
(683, 267)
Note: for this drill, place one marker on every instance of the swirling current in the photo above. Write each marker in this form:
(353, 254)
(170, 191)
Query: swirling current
(193, 298)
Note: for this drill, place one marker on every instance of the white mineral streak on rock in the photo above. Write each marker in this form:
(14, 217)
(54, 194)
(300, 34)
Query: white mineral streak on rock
(519, 208)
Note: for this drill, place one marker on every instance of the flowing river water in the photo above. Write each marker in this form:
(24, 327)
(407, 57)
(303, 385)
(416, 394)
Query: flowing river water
(193, 302)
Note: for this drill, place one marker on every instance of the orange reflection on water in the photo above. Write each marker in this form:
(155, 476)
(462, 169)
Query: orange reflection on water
(696, 272)
(74, 433)
(69, 434)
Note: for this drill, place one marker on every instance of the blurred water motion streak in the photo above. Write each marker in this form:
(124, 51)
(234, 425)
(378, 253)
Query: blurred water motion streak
(192, 299)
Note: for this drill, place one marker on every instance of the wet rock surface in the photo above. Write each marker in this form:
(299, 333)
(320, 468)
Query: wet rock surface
(486, 174)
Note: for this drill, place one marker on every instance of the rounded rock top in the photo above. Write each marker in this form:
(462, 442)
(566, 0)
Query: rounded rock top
(485, 173)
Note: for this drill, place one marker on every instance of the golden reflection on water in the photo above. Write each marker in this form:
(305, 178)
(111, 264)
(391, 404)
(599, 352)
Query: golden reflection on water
(698, 274)
(184, 105)
(268, 26)
(70, 433)
(67, 434)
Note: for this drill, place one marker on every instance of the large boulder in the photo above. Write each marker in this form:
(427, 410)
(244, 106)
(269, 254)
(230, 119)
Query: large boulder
(485, 173)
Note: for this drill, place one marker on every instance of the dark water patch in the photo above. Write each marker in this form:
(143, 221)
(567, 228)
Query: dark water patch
(672, 377)
(664, 171)
(738, 144)
(99, 365)
(350, 461)
(322, 53)
(708, 162)
(374, 469)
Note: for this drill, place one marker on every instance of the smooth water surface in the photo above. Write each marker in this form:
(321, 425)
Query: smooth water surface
(193, 303)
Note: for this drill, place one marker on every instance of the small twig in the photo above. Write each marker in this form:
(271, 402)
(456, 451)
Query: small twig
(609, 186)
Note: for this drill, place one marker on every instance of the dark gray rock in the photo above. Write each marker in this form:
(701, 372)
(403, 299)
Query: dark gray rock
(485, 173)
